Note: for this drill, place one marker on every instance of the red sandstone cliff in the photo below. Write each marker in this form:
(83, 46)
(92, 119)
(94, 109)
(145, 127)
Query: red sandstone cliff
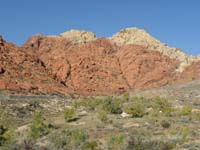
(56, 64)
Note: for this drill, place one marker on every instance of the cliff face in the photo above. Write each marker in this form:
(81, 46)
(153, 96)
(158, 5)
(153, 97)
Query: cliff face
(21, 71)
(78, 62)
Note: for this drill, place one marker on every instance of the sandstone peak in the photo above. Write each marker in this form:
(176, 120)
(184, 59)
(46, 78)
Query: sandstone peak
(133, 36)
(140, 37)
(79, 36)
(53, 64)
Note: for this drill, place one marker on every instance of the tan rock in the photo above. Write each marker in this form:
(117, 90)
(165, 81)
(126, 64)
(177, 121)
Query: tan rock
(131, 125)
(140, 37)
(124, 115)
(79, 36)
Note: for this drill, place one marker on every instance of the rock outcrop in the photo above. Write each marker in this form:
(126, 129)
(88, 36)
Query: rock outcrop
(79, 36)
(78, 63)
(140, 37)
(192, 72)
(145, 69)
(21, 72)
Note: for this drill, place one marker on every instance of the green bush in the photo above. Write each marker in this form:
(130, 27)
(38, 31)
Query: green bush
(143, 140)
(136, 109)
(185, 110)
(196, 115)
(5, 117)
(126, 96)
(138, 143)
(90, 103)
(116, 142)
(162, 105)
(75, 104)
(112, 105)
(37, 127)
(103, 116)
(185, 132)
(91, 145)
(69, 139)
(3, 130)
(69, 114)
(165, 124)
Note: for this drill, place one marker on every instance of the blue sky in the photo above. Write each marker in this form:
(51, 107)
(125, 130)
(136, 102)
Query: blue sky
(175, 22)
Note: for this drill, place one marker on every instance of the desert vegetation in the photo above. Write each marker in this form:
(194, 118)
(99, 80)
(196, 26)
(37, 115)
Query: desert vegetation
(121, 122)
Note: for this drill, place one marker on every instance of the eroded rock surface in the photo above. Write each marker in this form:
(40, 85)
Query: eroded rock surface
(79, 36)
(140, 37)
(79, 63)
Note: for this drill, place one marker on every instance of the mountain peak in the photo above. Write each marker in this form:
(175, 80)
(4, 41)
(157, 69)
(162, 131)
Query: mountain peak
(141, 37)
(79, 36)
(134, 35)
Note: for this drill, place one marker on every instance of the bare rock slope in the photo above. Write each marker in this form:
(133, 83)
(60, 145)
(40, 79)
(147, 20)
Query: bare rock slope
(140, 37)
(79, 36)
(76, 62)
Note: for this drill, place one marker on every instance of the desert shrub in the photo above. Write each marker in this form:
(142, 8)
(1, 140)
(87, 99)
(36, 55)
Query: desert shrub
(185, 132)
(75, 104)
(162, 105)
(34, 105)
(69, 139)
(191, 146)
(91, 145)
(184, 111)
(138, 143)
(5, 117)
(6, 135)
(102, 116)
(37, 127)
(196, 116)
(22, 112)
(69, 114)
(25, 145)
(143, 140)
(90, 103)
(3, 130)
(126, 96)
(165, 124)
(116, 142)
(78, 136)
(112, 105)
(59, 140)
(136, 109)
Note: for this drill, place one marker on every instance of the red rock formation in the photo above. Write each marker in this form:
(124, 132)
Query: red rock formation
(190, 73)
(86, 69)
(20, 72)
(54, 64)
(145, 69)
(95, 69)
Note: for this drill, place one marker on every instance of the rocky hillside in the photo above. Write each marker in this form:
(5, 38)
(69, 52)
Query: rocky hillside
(76, 62)
(140, 37)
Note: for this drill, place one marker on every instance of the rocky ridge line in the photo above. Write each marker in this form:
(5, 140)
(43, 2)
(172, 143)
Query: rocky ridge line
(51, 64)
(79, 36)
(140, 37)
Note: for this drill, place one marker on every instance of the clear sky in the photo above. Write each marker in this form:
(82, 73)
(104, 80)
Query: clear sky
(175, 22)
